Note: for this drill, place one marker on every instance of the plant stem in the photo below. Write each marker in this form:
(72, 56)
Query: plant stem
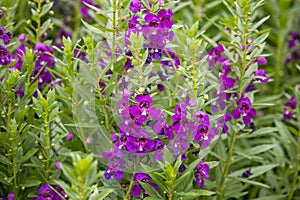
(114, 23)
(106, 118)
(129, 187)
(240, 89)
(296, 170)
(279, 61)
(227, 165)
(47, 148)
(77, 22)
(38, 30)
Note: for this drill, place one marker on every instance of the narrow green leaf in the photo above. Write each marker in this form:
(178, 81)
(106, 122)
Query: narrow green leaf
(196, 193)
(244, 180)
(150, 190)
(260, 22)
(30, 182)
(28, 155)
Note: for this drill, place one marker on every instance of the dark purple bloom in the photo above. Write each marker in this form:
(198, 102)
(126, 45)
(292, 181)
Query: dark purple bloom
(244, 109)
(246, 173)
(166, 18)
(46, 193)
(144, 102)
(4, 56)
(5, 36)
(201, 172)
(160, 87)
(135, 6)
(152, 20)
(289, 108)
(170, 54)
(264, 78)
(214, 55)
(137, 189)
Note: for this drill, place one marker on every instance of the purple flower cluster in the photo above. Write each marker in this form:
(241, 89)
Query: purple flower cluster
(138, 189)
(44, 60)
(244, 109)
(204, 133)
(45, 192)
(228, 80)
(289, 108)
(5, 57)
(201, 172)
(5, 36)
(294, 44)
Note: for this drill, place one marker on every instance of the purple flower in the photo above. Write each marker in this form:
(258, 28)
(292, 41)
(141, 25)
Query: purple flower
(135, 6)
(201, 172)
(69, 136)
(10, 196)
(165, 17)
(244, 109)
(289, 108)
(144, 102)
(152, 20)
(58, 165)
(114, 167)
(214, 55)
(137, 189)
(5, 36)
(4, 56)
(264, 78)
(46, 193)
(171, 54)
(261, 61)
(200, 116)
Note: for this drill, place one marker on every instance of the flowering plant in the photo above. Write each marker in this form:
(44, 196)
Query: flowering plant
(149, 99)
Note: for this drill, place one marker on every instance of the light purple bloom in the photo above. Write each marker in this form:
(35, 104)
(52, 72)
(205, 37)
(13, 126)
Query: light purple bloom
(69, 136)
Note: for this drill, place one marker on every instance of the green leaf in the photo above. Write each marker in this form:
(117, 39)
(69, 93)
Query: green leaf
(256, 171)
(104, 194)
(196, 193)
(46, 8)
(4, 160)
(94, 29)
(260, 22)
(28, 155)
(244, 180)
(150, 190)
(30, 182)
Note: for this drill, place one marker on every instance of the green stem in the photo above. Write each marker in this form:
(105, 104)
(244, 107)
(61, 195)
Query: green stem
(129, 188)
(227, 165)
(47, 147)
(106, 118)
(240, 89)
(38, 30)
(279, 61)
(296, 170)
(114, 23)
(77, 22)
